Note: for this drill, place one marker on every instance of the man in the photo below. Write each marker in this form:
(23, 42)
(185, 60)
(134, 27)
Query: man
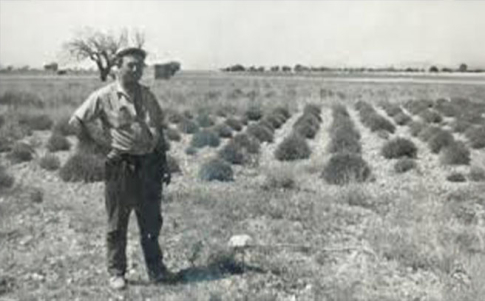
(136, 165)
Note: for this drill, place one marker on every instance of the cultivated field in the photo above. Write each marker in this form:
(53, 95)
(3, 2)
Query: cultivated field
(351, 189)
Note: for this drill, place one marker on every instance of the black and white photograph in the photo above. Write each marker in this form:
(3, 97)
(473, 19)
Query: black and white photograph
(242, 150)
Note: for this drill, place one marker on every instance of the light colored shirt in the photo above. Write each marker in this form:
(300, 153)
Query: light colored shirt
(138, 116)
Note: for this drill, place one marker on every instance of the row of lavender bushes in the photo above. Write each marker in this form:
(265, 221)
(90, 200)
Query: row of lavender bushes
(346, 164)
(295, 145)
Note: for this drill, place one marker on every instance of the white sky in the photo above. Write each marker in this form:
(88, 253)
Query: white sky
(213, 34)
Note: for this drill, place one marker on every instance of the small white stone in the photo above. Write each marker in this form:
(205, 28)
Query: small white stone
(239, 241)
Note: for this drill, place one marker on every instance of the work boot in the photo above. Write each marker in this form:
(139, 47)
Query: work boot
(117, 282)
(163, 275)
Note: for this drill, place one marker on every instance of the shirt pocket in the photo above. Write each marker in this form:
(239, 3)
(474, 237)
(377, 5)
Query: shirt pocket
(120, 119)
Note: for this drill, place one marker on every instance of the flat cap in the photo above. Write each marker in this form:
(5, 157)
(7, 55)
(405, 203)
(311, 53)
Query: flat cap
(130, 51)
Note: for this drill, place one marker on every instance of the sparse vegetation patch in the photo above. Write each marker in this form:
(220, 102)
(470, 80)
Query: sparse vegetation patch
(456, 177)
(6, 180)
(21, 152)
(216, 170)
(344, 168)
(233, 153)
(440, 140)
(476, 136)
(293, 147)
(188, 126)
(456, 153)
(261, 132)
(373, 120)
(57, 142)
(36, 122)
(50, 162)
(404, 165)
(173, 134)
(234, 123)
(399, 147)
(83, 167)
(344, 136)
(205, 138)
(417, 106)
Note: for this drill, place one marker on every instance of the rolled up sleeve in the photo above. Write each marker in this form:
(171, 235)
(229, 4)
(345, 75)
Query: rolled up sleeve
(89, 110)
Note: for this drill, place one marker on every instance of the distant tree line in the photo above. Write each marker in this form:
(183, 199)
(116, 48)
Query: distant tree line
(298, 68)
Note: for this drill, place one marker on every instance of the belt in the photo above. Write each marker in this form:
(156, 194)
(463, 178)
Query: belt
(127, 161)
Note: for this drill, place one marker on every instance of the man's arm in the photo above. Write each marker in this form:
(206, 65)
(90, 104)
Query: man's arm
(81, 118)
(156, 127)
(78, 126)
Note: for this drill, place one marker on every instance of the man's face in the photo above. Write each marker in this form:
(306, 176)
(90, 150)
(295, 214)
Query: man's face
(131, 68)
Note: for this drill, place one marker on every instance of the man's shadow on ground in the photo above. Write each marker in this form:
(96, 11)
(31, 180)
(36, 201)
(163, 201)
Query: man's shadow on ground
(218, 269)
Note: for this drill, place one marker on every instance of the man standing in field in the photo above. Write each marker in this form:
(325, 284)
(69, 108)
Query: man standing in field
(136, 165)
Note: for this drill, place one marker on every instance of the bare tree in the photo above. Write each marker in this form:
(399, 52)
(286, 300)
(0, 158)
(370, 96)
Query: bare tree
(138, 38)
(101, 47)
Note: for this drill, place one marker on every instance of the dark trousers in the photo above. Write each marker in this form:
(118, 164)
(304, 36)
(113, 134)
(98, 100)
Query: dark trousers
(134, 183)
